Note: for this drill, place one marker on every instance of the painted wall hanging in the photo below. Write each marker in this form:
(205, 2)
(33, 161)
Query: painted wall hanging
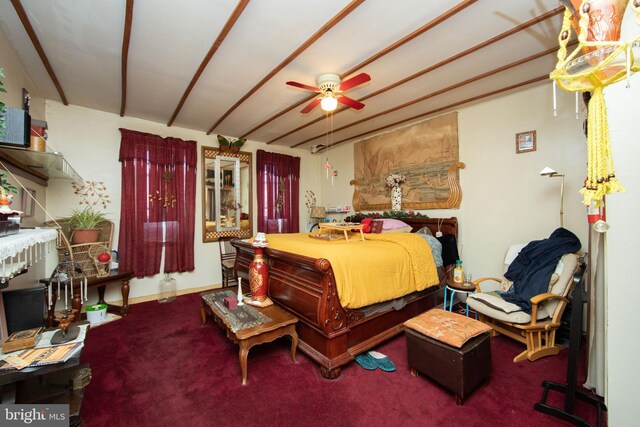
(426, 153)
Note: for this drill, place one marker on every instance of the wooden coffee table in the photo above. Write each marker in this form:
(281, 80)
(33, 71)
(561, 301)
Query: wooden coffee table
(282, 323)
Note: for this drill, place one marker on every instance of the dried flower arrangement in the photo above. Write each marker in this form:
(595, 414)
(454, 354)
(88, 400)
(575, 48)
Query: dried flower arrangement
(92, 193)
(310, 198)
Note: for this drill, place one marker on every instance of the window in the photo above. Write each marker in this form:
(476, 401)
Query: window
(158, 203)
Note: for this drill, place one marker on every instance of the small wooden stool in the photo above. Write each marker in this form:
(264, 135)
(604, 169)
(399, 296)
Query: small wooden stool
(450, 349)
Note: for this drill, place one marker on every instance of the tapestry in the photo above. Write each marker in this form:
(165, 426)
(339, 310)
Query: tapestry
(423, 153)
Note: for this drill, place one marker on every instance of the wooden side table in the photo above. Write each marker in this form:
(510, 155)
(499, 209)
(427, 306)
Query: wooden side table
(96, 282)
(453, 287)
(282, 323)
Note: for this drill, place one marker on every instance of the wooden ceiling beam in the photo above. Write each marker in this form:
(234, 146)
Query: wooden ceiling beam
(126, 38)
(445, 108)
(441, 91)
(36, 44)
(326, 27)
(438, 20)
(440, 64)
(233, 18)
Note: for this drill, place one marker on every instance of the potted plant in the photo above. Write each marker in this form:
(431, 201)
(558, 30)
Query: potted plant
(84, 224)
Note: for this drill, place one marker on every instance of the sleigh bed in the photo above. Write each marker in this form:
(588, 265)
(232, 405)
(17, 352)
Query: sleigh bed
(330, 334)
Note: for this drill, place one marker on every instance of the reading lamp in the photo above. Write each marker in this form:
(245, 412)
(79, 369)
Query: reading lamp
(547, 171)
(319, 213)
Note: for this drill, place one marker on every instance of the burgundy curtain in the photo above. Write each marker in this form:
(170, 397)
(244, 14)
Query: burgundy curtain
(278, 190)
(158, 192)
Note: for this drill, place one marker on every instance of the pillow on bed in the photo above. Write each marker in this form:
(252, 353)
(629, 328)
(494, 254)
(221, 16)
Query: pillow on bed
(392, 224)
(406, 229)
(425, 230)
(366, 225)
(376, 227)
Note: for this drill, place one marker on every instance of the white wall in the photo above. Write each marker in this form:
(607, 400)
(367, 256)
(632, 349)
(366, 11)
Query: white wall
(90, 141)
(505, 200)
(17, 78)
(622, 246)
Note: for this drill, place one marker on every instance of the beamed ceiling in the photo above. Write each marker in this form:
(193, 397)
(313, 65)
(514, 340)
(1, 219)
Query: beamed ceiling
(220, 66)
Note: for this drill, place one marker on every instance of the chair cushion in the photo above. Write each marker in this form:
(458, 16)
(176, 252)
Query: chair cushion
(566, 267)
(491, 305)
(228, 263)
(450, 328)
(494, 301)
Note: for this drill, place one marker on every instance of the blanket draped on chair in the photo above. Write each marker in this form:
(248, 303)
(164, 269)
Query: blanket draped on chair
(531, 270)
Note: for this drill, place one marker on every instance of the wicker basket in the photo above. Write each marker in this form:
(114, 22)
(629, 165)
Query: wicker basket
(102, 268)
(82, 253)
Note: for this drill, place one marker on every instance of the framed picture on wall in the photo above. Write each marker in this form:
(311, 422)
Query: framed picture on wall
(526, 142)
(28, 205)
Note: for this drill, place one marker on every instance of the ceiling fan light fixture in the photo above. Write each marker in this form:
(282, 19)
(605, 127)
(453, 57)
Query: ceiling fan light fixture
(329, 103)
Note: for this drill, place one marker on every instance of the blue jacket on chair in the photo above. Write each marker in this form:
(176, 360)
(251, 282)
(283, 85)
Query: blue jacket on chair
(531, 270)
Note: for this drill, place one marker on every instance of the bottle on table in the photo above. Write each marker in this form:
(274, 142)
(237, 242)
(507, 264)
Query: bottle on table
(458, 273)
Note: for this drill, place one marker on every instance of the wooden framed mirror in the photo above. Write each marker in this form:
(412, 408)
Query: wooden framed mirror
(226, 194)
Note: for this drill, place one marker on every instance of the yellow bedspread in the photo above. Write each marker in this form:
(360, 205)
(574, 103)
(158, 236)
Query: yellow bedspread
(381, 268)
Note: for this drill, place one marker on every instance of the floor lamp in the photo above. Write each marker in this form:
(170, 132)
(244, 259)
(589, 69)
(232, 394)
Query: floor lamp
(547, 171)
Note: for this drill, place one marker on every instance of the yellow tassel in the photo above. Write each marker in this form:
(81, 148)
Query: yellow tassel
(601, 178)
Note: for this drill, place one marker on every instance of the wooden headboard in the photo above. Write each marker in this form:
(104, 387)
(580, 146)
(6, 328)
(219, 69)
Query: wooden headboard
(445, 225)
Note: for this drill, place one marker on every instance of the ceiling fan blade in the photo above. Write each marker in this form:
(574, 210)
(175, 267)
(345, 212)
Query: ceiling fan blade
(354, 81)
(310, 106)
(350, 102)
(303, 86)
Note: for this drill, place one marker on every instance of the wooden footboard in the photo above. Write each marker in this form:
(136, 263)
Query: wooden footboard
(329, 334)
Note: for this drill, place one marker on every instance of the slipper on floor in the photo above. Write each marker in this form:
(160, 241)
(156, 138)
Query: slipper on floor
(366, 361)
(382, 361)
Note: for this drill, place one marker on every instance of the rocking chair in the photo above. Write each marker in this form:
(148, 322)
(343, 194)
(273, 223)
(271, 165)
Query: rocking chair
(537, 330)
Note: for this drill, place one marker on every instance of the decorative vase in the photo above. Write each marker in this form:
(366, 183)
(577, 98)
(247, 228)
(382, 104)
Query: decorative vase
(606, 20)
(258, 275)
(396, 198)
(240, 296)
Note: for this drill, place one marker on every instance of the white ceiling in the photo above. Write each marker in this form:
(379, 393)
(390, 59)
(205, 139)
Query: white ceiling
(457, 60)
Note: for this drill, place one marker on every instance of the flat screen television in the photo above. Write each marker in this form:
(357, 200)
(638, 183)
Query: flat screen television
(17, 130)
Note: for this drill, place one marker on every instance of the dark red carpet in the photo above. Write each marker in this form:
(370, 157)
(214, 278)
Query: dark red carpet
(160, 367)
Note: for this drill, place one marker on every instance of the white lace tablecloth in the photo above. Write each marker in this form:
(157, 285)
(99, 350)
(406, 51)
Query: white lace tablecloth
(14, 244)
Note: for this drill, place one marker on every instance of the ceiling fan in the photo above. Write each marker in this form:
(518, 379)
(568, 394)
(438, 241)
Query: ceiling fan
(331, 87)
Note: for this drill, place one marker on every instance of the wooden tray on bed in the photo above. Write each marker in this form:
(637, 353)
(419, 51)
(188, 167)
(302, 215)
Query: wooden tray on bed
(326, 229)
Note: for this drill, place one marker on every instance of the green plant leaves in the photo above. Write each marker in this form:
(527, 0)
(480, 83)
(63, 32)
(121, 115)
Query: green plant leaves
(86, 218)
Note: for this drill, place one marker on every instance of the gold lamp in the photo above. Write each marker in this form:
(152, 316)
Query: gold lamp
(547, 171)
